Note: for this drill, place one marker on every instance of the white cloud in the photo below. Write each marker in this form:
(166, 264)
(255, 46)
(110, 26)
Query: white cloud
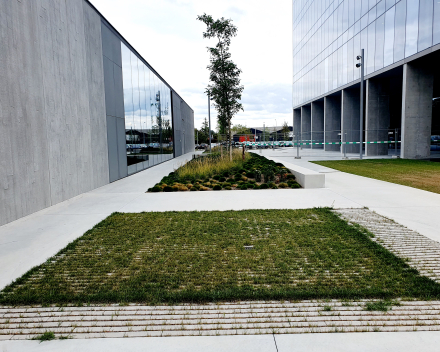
(167, 34)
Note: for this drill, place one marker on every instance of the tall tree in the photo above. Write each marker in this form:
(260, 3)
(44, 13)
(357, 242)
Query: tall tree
(225, 89)
(285, 131)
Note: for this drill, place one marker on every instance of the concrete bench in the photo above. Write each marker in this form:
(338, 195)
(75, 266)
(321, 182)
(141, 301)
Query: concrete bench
(305, 177)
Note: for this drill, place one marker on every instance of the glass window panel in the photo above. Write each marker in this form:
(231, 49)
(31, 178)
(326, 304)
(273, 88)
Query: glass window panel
(345, 16)
(380, 8)
(356, 52)
(351, 9)
(399, 31)
(372, 3)
(412, 27)
(371, 48)
(372, 15)
(364, 7)
(425, 24)
(351, 61)
(389, 37)
(380, 30)
(390, 3)
(357, 9)
(364, 22)
(436, 29)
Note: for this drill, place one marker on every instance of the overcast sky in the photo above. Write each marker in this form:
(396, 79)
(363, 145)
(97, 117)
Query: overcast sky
(167, 34)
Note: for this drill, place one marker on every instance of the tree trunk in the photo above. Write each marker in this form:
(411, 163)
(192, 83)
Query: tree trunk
(230, 140)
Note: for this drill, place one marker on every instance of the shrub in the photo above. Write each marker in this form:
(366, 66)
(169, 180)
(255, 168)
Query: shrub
(204, 188)
(168, 189)
(295, 185)
(264, 186)
(189, 186)
(216, 177)
(230, 180)
(250, 174)
(244, 178)
(244, 187)
(256, 186)
(242, 171)
(271, 184)
(156, 189)
(222, 179)
(235, 185)
(251, 181)
(193, 189)
(257, 175)
(225, 174)
(290, 177)
(228, 188)
(217, 188)
(283, 185)
(274, 186)
(175, 188)
(182, 188)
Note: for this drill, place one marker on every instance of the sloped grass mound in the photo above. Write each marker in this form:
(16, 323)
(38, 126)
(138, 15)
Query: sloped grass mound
(176, 257)
(216, 172)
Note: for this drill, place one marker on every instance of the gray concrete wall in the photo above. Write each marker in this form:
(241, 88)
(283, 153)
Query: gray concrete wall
(377, 116)
(332, 122)
(350, 119)
(114, 104)
(52, 135)
(317, 116)
(306, 125)
(417, 94)
(183, 125)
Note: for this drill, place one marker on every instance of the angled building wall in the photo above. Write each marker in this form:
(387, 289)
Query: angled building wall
(62, 112)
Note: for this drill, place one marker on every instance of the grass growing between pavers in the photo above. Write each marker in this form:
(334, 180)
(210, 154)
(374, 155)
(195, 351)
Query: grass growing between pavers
(176, 257)
(414, 173)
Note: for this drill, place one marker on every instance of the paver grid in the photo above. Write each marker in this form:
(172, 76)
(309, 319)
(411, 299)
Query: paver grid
(419, 251)
(250, 318)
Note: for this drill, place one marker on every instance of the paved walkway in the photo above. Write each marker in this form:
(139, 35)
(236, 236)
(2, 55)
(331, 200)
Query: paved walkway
(31, 240)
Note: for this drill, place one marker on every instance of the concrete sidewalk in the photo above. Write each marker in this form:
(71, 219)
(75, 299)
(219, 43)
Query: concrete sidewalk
(359, 342)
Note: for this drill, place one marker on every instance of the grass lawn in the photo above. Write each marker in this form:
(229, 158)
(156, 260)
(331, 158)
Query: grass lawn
(176, 257)
(414, 173)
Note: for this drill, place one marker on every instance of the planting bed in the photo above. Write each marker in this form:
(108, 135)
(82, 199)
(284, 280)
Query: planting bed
(215, 173)
(176, 257)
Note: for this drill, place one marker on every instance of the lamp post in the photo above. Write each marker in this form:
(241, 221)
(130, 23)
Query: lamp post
(361, 134)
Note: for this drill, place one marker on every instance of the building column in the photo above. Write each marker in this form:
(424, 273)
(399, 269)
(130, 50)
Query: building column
(297, 123)
(317, 123)
(332, 123)
(377, 116)
(306, 125)
(417, 93)
(350, 119)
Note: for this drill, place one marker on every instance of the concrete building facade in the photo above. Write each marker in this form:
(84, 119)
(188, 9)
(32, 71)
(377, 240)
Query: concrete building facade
(401, 42)
(66, 124)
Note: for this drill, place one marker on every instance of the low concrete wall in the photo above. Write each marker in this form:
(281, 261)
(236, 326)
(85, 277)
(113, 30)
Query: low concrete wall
(305, 177)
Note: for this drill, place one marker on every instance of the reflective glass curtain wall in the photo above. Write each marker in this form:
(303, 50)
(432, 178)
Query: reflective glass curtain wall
(329, 34)
(148, 121)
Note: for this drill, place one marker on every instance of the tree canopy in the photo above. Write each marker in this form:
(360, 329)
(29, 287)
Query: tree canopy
(224, 75)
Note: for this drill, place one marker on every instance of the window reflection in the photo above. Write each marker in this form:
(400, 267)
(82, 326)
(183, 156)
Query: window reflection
(148, 121)
(329, 34)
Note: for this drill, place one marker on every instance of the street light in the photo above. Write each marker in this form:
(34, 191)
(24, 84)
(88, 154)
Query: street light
(361, 66)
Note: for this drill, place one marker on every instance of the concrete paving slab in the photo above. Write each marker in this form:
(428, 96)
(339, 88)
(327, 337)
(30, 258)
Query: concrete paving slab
(258, 343)
(360, 342)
